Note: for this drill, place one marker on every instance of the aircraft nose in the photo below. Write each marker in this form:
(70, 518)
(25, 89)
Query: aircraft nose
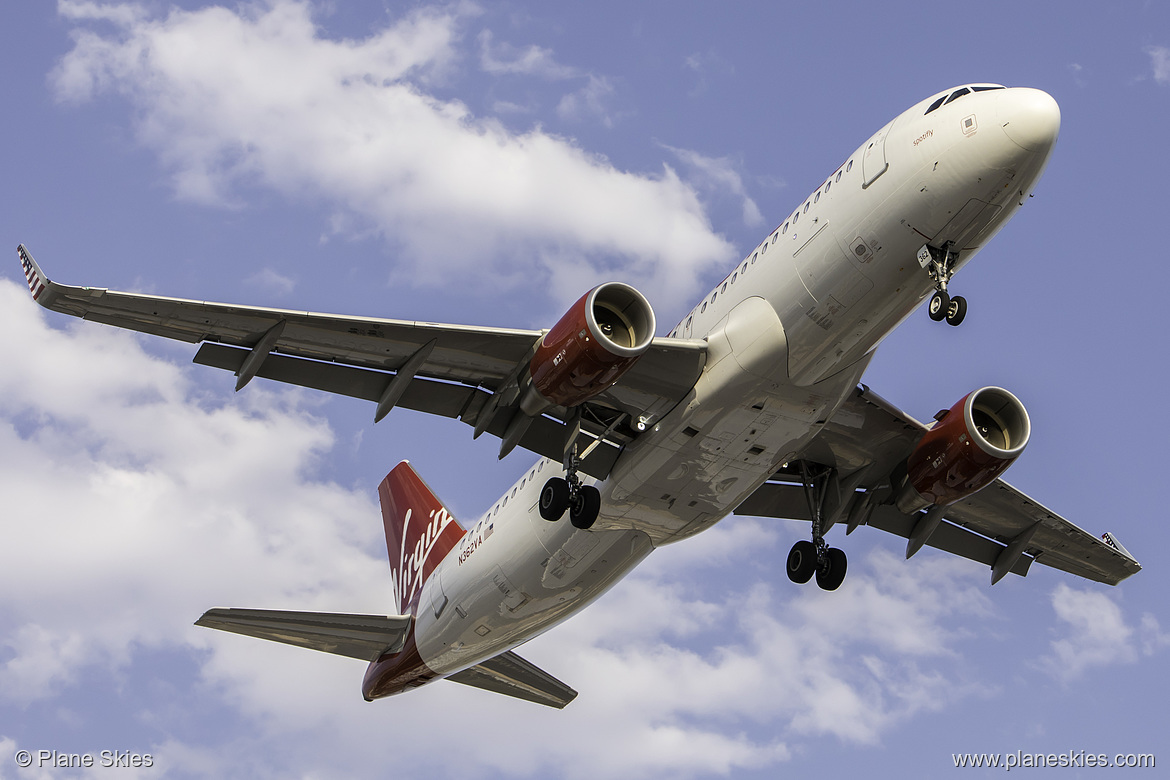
(1030, 118)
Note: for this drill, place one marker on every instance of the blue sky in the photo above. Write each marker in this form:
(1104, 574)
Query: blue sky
(487, 164)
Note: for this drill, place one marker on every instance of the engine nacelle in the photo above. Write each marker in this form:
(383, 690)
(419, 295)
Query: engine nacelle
(589, 349)
(972, 444)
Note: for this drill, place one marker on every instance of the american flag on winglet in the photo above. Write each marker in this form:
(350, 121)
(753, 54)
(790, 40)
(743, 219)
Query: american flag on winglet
(35, 285)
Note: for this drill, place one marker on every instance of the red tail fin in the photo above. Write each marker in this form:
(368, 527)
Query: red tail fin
(419, 531)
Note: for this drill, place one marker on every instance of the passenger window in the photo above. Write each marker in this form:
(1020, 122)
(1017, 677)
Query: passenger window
(816, 199)
(806, 207)
(689, 320)
(724, 287)
(782, 230)
(828, 184)
(838, 176)
(774, 235)
(849, 167)
(795, 217)
(513, 492)
(733, 278)
(744, 269)
(713, 296)
(704, 307)
(763, 249)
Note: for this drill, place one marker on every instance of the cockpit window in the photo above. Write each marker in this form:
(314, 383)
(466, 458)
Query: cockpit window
(958, 93)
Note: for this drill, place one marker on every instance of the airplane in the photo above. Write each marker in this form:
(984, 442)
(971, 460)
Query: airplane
(751, 405)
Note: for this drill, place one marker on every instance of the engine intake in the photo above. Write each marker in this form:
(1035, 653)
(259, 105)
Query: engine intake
(972, 444)
(600, 337)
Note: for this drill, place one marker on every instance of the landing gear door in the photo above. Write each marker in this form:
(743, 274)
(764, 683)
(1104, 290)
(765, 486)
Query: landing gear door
(873, 159)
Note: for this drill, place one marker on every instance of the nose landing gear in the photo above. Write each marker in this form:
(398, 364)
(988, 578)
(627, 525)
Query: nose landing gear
(937, 263)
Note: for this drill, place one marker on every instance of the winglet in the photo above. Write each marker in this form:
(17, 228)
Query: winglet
(37, 281)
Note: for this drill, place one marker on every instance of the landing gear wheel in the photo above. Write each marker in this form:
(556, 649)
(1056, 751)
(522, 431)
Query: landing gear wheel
(802, 562)
(940, 304)
(583, 511)
(831, 570)
(554, 499)
(957, 310)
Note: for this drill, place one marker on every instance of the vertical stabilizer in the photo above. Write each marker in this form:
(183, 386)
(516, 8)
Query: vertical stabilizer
(419, 531)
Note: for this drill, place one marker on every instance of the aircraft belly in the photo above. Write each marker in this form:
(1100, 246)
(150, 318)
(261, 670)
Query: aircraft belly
(518, 583)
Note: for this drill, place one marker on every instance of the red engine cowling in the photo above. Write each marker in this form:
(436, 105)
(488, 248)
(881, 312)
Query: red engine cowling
(597, 341)
(972, 444)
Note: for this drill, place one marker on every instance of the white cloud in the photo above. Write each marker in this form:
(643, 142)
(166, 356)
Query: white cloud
(272, 282)
(1160, 62)
(719, 175)
(260, 96)
(589, 102)
(1097, 634)
(506, 59)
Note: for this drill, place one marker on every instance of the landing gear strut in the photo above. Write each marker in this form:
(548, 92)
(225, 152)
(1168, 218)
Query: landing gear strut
(938, 264)
(559, 494)
(806, 558)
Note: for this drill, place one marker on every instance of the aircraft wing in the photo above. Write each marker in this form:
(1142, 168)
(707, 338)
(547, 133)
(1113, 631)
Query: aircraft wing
(870, 437)
(449, 370)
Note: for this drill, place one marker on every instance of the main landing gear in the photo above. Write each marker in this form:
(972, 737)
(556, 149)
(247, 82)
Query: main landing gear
(937, 263)
(806, 558)
(559, 494)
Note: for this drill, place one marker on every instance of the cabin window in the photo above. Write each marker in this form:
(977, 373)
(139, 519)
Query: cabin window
(838, 176)
(828, 184)
(713, 296)
(733, 277)
(849, 167)
(704, 307)
(744, 269)
(724, 289)
(805, 207)
(513, 492)
(816, 199)
(782, 230)
(795, 217)
(764, 248)
(689, 320)
(774, 235)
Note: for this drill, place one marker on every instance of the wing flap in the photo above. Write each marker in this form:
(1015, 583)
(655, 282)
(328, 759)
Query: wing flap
(545, 436)
(365, 637)
(511, 675)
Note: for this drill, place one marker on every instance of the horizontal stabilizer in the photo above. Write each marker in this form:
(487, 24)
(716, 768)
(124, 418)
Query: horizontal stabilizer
(511, 675)
(357, 636)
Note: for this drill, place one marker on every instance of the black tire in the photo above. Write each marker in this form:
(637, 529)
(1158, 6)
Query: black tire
(583, 512)
(802, 562)
(957, 311)
(940, 304)
(831, 573)
(554, 499)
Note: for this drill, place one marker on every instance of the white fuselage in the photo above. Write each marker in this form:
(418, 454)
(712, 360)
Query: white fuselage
(790, 331)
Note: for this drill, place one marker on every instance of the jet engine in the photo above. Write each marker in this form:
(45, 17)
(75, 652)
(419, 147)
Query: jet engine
(972, 444)
(589, 349)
